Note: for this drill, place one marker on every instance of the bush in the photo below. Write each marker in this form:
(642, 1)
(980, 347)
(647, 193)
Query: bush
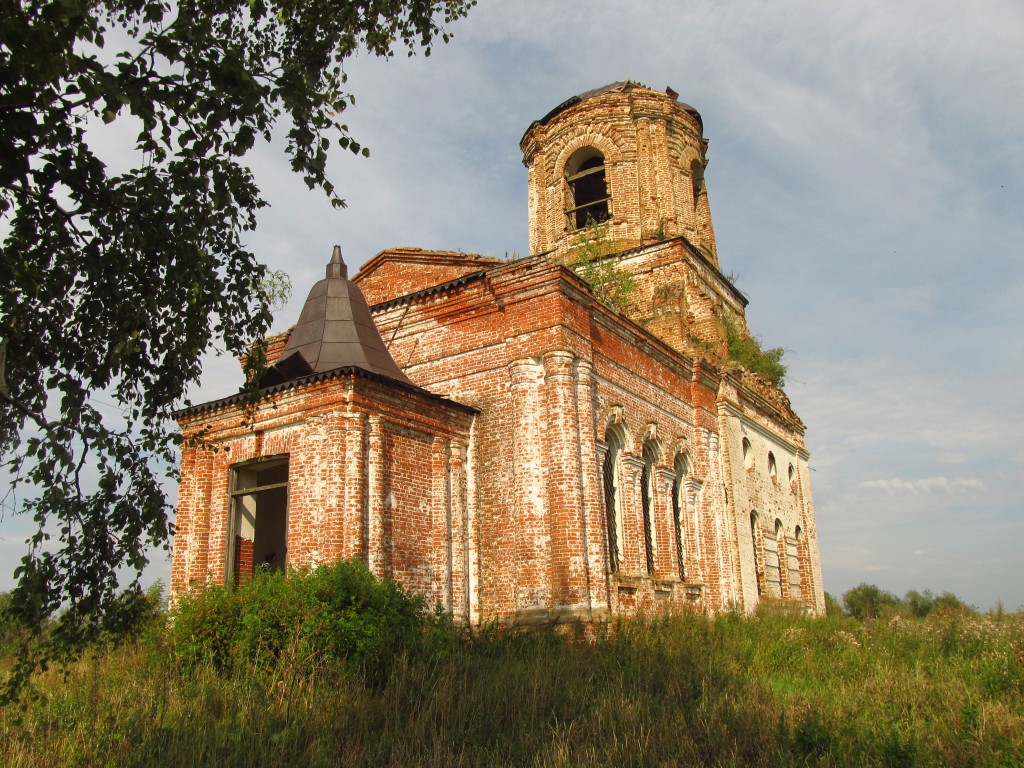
(612, 285)
(919, 603)
(922, 604)
(747, 352)
(866, 601)
(832, 606)
(336, 613)
(948, 603)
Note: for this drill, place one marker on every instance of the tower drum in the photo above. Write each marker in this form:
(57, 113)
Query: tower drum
(623, 157)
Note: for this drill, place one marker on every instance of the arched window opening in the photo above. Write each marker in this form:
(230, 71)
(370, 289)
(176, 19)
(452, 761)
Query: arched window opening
(697, 180)
(748, 454)
(682, 468)
(610, 476)
(649, 455)
(793, 565)
(792, 478)
(773, 471)
(753, 540)
(588, 198)
(772, 568)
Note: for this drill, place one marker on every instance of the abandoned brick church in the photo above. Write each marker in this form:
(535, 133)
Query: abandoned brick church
(496, 436)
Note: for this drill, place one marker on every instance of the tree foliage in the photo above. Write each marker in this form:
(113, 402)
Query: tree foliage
(119, 269)
(867, 601)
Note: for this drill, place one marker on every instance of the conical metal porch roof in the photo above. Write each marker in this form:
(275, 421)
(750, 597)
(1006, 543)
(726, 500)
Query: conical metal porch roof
(335, 330)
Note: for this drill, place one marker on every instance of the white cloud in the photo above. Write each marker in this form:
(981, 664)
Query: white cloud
(926, 485)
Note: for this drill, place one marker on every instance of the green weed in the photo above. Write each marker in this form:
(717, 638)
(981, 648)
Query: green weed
(776, 689)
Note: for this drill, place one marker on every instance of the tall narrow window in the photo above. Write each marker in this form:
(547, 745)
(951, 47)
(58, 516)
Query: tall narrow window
(748, 454)
(678, 516)
(259, 517)
(753, 540)
(696, 181)
(793, 565)
(772, 568)
(588, 198)
(701, 213)
(773, 470)
(610, 476)
(647, 496)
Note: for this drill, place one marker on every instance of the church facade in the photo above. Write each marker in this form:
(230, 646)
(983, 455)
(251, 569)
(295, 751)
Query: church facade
(560, 437)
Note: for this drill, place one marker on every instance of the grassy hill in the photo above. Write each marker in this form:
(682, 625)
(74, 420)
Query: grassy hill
(777, 689)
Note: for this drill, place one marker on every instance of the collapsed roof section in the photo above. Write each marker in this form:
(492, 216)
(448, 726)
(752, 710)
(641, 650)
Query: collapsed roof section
(622, 86)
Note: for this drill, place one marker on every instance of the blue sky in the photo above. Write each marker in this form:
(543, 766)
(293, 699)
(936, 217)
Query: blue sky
(866, 182)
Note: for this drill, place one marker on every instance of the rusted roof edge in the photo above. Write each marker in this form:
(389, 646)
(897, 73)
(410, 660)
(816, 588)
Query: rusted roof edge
(424, 292)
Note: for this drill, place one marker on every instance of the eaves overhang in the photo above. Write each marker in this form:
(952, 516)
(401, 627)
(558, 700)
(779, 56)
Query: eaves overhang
(315, 378)
(425, 292)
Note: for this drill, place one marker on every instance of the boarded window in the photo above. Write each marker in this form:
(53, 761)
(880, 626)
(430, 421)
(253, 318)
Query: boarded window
(259, 517)
(793, 562)
(772, 568)
(753, 540)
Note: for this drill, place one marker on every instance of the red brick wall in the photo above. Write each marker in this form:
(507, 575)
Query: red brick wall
(500, 515)
(680, 297)
(414, 534)
(545, 370)
(244, 562)
(401, 271)
(327, 430)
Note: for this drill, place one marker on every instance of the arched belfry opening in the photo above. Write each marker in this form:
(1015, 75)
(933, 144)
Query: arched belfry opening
(587, 196)
(696, 182)
(703, 234)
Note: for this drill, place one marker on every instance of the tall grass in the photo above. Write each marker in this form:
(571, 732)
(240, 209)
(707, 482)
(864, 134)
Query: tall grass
(773, 690)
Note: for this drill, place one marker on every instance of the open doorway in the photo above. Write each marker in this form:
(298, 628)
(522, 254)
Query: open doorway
(259, 517)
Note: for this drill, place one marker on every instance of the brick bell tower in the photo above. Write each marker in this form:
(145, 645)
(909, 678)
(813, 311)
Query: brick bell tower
(623, 154)
(632, 159)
